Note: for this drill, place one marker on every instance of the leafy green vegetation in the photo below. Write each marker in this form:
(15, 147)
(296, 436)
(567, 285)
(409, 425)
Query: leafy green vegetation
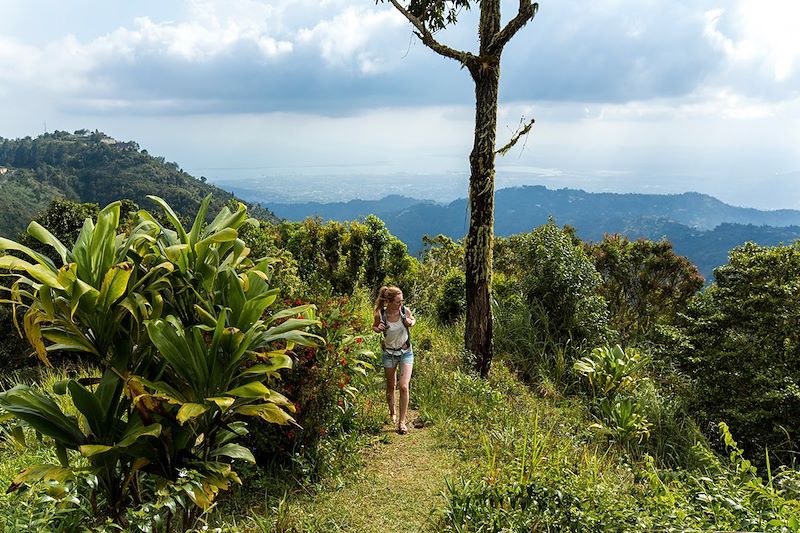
(91, 167)
(699, 226)
(216, 373)
(743, 349)
(175, 321)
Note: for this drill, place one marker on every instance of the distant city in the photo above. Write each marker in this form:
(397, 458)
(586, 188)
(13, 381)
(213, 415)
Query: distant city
(446, 187)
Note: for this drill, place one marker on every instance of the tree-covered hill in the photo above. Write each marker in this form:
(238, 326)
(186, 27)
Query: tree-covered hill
(92, 167)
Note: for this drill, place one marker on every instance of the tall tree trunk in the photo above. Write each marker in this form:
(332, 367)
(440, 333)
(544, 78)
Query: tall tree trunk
(428, 16)
(478, 262)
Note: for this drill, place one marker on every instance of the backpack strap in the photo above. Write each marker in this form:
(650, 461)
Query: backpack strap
(403, 318)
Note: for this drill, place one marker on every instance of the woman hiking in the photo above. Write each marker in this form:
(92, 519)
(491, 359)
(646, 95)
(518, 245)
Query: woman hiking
(393, 319)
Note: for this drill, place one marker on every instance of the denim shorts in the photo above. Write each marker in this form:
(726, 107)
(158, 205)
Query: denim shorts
(393, 358)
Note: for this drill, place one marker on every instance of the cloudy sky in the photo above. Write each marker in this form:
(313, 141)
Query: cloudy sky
(628, 95)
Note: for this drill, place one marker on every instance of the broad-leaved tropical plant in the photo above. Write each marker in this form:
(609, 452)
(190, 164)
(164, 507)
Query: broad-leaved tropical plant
(611, 370)
(177, 321)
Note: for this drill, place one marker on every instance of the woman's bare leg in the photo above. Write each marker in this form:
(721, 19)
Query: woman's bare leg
(390, 381)
(405, 379)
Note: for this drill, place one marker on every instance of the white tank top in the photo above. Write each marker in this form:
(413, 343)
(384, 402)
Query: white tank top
(396, 335)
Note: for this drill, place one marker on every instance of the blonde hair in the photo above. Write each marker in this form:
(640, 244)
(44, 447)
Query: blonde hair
(386, 295)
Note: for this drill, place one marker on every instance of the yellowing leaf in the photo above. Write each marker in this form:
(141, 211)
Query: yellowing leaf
(223, 402)
(254, 389)
(89, 450)
(189, 411)
(266, 411)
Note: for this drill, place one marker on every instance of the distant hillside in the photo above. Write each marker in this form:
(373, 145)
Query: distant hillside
(92, 167)
(700, 227)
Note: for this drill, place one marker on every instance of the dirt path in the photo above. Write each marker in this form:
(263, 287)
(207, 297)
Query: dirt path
(401, 484)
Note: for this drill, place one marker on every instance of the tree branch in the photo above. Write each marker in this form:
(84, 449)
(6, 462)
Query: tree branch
(510, 144)
(428, 40)
(527, 10)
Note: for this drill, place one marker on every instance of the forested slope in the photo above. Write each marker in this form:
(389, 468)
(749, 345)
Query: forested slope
(92, 167)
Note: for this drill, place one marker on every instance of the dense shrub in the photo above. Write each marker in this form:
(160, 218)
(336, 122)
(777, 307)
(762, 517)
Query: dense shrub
(743, 349)
(333, 259)
(451, 302)
(323, 385)
(559, 281)
(548, 308)
(440, 255)
(644, 283)
(177, 322)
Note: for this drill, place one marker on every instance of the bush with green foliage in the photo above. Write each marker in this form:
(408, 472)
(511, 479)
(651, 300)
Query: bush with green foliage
(610, 370)
(612, 376)
(451, 302)
(333, 259)
(177, 322)
(743, 350)
(64, 219)
(644, 283)
(549, 307)
(323, 384)
(440, 256)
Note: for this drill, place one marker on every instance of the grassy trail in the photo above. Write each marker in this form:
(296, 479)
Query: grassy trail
(400, 485)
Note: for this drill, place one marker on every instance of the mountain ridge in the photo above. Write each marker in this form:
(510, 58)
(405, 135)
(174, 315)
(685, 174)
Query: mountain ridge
(700, 226)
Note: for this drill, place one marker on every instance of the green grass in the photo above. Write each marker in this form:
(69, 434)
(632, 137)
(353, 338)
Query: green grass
(492, 454)
(401, 482)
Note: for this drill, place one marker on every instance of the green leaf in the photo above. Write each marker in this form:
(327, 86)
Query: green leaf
(79, 290)
(174, 348)
(292, 311)
(277, 362)
(223, 402)
(41, 273)
(227, 219)
(232, 431)
(68, 342)
(172, 217)
(303, 338)
(189, 411)
(199, 220)
(103, 241)
(41, 413)
(234, 451)
(254, 389)
(114, 285)
(8, 244)
(90, 450)
(41, 234)
(89, 407)
(41, 473)
(279, 399)
(135, 433)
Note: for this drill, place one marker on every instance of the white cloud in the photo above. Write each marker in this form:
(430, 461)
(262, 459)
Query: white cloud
(193, 41)
(758, 33)
(17, 61)
(346, 37)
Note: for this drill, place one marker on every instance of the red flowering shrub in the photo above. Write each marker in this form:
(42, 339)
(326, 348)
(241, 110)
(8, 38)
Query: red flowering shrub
(323, 384)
